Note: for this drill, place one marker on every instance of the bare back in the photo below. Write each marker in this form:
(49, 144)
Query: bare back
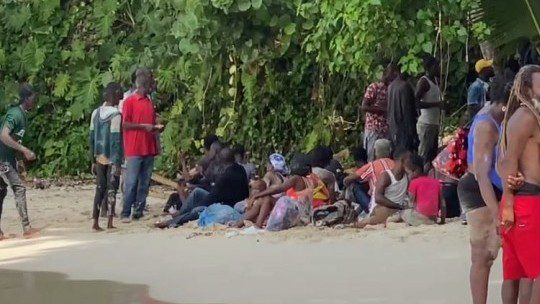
(529, 160)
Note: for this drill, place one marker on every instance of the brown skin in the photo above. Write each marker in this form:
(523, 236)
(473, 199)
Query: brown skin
(422, 87)
(144, 89)
(6, 138)
(442, 203)
(483, 221)
(113, 102)
(385, 207)
(522, 155)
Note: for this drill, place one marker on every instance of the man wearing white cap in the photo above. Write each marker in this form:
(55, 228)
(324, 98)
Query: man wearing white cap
(477, 95)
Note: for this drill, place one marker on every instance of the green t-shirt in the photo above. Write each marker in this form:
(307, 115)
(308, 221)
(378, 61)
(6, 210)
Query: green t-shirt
(15, 121)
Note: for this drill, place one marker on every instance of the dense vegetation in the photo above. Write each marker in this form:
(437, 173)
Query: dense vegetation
(272, 74)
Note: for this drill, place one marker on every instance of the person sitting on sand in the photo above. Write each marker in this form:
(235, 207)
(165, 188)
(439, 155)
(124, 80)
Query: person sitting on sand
(320, 158)
(107, 152)
(230, 188)
(241, 158)
(425, 197)
(301, 178)
(369, 173)
(390, 194)
(258, 210)
(205, 172)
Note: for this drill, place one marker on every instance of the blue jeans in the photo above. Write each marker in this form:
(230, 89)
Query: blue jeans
(181, 219)
(137, 184)
(361, 196)
(195, 199)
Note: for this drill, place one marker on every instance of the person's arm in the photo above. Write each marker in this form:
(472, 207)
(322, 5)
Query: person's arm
(422, 87)
(519, 129)
(486, 137)
(128, 123)
(442, 209)
(351, 178)
(7, 140)
(117, 153)
(276, 189)
(382, 183)
(369, 101)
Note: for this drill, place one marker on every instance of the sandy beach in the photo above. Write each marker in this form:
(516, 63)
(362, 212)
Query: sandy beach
(396, 264)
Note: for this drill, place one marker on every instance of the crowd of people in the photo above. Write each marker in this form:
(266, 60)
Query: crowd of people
(394, 179)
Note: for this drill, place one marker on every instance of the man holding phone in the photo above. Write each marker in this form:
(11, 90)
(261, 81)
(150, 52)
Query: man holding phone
(140, 144)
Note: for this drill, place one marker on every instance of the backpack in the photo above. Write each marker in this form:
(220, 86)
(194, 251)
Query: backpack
(340, 212)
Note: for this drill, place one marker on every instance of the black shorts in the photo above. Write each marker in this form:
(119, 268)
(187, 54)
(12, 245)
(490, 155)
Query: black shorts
(469, 193)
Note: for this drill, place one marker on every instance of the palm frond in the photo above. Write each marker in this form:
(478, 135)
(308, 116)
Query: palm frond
(511, 21)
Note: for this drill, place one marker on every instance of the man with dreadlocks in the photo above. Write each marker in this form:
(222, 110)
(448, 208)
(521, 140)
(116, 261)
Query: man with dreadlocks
(520, 207)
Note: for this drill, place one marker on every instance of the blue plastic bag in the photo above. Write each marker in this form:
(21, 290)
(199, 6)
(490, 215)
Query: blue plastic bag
(218, 214)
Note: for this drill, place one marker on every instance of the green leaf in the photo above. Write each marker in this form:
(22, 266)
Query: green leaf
(375, 2)
(244, 5)
(61, 85)
(232, 92)
(427, 47)
(290, 29)
(256, 4)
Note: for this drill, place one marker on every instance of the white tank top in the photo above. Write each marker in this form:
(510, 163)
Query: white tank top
(395, 192)
(431, 116)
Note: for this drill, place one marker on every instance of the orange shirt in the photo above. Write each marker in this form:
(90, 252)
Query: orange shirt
(371, 171)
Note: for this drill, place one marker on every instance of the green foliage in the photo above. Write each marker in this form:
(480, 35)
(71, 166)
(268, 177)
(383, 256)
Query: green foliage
(275, 75)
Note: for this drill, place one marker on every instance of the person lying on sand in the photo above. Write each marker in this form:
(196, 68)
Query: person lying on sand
(390, 195)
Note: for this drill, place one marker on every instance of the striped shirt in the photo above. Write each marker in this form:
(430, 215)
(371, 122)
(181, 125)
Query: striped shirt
(371, 171)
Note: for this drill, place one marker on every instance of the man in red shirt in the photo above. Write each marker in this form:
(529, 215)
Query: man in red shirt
(140, 144)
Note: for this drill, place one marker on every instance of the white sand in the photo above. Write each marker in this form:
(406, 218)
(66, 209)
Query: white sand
(307, 265)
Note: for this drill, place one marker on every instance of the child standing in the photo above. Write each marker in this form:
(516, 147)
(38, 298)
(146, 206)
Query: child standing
(107, 152)
(425, 197)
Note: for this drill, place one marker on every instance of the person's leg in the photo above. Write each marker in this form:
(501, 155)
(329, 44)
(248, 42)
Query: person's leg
(101, 190)
(180, 220)
(432, 145)
(369, 144)
(484, 249)
(422, 147)
(379, 216)
(525, 291)
(133, 166)
(3, 193)
(195, 199)
(113, 183)
(361, 196)
(144, 185)
(19, 191)
(535, 292)
(267, 203)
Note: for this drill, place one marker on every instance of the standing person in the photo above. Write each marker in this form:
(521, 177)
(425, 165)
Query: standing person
(402, 114)
(477, 94)
(479, 191)
(13, 130)
(520, 211)
(429, 102)
(107, 153)
(140, 145)
(129, 92)
(375, 106)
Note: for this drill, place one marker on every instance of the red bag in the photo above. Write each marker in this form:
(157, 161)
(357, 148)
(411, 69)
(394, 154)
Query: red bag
(452, 160)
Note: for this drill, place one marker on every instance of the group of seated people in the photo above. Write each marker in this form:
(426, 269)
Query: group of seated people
(393, 187)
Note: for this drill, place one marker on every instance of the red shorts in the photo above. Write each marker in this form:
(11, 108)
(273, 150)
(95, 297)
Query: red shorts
(521, 243)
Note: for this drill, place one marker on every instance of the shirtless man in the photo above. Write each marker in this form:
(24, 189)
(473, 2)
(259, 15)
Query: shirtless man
(520, 208)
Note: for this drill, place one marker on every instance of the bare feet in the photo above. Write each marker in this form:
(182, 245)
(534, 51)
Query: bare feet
(2, 237)
(110, 223)
(96, 228)
(237, 224)
(30, 233)
(161, 225)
